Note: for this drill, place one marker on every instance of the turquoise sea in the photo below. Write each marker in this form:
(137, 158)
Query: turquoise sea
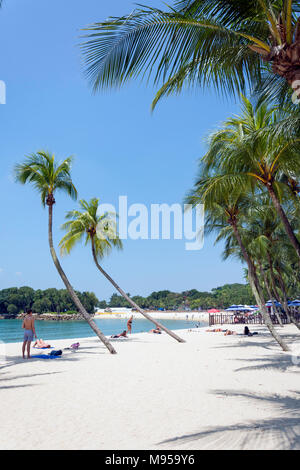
(11, 330)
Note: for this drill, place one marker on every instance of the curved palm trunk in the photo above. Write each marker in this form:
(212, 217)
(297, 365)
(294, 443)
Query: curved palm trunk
(131, 302)
(264, 277)
(285, 300)
(257, 291)
(294, 240)
(70, 289)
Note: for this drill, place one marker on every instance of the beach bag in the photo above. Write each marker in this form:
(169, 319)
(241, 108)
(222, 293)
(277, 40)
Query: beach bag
(56, 353)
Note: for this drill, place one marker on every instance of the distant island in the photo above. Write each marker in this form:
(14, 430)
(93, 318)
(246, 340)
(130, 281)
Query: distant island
(14, 301)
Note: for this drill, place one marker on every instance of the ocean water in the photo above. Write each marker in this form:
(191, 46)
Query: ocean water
(11, 330)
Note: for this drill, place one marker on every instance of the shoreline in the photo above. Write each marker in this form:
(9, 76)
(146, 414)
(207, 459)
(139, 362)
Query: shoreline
(170, 315)
(212, 392)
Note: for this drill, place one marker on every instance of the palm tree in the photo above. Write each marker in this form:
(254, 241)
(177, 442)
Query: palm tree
(47, 176)
(227, 44)
(224, 203)
(100, 232)
(246, 148)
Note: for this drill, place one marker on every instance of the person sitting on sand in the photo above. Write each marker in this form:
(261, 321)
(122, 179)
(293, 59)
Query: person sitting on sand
(248, 333)
(40, 344)
(157, 331)
(129, 324)
(121, 335)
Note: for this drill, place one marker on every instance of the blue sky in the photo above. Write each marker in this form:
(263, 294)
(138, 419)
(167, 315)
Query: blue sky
(120, 148)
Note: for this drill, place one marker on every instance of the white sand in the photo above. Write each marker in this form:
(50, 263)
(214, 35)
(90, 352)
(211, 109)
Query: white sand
(213, 392)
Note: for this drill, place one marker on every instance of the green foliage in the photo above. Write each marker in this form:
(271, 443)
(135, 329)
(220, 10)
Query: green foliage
(14, 301)
(87, 224)
(220, 297)
(41, 170)
(224, 44)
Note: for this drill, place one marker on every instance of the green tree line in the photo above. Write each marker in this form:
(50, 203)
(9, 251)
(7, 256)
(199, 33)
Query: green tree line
(219, 297)
(16, 300)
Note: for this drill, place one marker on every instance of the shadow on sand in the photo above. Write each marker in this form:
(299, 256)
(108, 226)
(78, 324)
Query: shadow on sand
(281, 432)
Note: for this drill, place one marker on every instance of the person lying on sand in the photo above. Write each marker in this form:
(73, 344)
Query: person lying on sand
(216, 330)
(248, 333)
(40, 344)
(156, 331)
(229, 332)
(121, 335)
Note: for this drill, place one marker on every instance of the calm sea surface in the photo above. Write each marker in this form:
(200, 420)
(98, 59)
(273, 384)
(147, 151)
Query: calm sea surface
(11, 330)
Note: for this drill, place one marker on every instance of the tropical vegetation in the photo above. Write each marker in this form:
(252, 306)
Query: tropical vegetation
(16, 300)
(100, 232)
(47, 177)
(229, 44)
(247, 183)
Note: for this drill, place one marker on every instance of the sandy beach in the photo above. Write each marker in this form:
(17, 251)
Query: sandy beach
(213, 392)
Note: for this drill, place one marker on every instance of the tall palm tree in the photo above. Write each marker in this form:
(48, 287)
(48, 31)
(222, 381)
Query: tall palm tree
(226, 44)
(100, 232)
(224, 203)
(47, 176)
(246, 148)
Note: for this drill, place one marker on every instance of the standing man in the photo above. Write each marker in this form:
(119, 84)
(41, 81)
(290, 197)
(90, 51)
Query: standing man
(28, 326)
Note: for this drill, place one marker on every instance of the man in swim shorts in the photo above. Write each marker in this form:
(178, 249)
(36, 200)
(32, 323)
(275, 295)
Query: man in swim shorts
(28, 326)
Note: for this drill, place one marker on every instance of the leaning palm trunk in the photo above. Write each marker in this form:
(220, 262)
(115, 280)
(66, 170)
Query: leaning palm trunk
(131, 302)
(294, 240)
(74, 297)
(264, 276)
(285, 301)
(257, 291)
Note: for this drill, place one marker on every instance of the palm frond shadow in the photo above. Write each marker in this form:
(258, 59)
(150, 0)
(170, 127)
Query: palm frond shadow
(281, 432)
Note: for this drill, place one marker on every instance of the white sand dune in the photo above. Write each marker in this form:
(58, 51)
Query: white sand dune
(213, 392)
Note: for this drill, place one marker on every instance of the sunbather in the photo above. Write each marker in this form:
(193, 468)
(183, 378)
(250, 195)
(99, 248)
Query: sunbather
(216, 330)
(229, 332)
(40, 344)
(121, 335)
(157, 331)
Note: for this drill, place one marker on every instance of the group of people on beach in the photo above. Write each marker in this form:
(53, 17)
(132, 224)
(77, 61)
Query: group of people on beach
(124, 334)
(30, 333)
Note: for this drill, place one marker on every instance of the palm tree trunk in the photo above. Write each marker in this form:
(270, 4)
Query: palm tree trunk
(131, 302)
(264, 277)
(257, 291)
(285, 300)
(70, 289)
(294, 240)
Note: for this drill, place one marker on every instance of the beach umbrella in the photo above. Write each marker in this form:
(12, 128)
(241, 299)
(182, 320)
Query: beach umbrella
(270, 303)
(237, 308)
(295, 303)
(213, 310)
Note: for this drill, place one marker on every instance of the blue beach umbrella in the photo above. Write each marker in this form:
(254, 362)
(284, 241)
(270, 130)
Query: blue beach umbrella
(295, 303)
(270, 303)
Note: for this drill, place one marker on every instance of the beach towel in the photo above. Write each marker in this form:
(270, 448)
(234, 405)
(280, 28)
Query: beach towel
(45, 356)
(52, 355)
